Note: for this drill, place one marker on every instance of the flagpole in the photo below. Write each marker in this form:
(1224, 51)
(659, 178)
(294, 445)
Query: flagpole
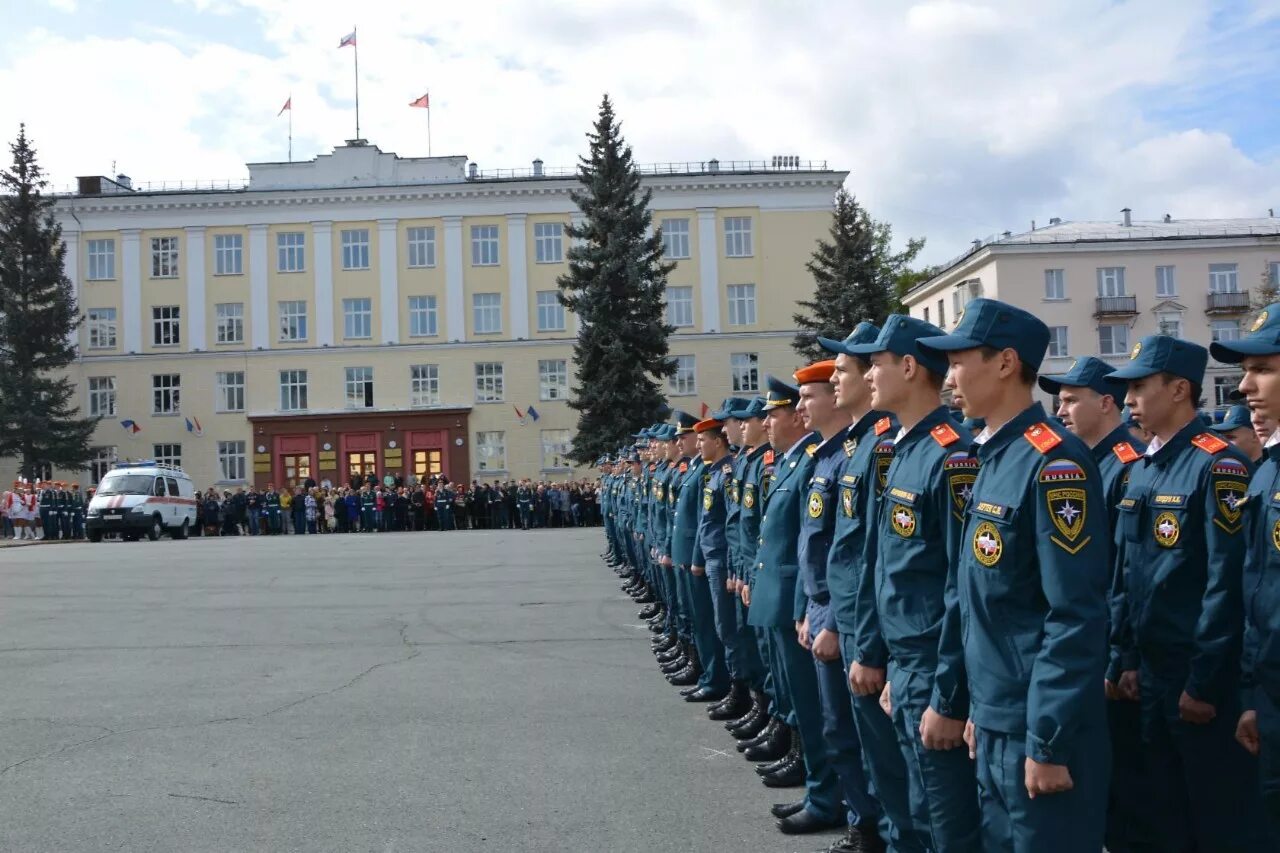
(357, 47)
(428, 122)
(291, 127)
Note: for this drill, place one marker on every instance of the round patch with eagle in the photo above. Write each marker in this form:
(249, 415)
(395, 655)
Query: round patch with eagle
(903, 521)
(815, 505)
(988, 547)
(1166, 530)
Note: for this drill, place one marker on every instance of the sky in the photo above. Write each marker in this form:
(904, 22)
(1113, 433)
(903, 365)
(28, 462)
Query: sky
(955, 120)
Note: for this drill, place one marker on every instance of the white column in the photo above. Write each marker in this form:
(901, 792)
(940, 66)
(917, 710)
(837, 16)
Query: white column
(518, 266)
(261, 320)
(708, 269)
(388, 275)
(455, 312)
(71, 269)
(195, 288)
(131, 289)
(322, 254)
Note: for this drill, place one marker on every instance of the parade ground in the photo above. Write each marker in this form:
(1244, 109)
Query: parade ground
(470, 691)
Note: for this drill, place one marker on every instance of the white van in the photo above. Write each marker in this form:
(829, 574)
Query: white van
(142, 497)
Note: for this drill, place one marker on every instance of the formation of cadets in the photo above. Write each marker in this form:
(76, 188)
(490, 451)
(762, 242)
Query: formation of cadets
(43, 510)
(1017, 632)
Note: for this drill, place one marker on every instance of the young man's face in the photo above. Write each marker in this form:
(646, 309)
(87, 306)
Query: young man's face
(887, 381)
(852, 391)
(1263, 426)
(975, 380)
(688, 442)
(1261, 384)
(1082, 410)
(754, 432)
(710, 445)
(1152, 400)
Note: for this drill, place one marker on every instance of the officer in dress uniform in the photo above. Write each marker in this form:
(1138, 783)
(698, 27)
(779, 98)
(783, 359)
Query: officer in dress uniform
(524, 503)
(1089, 408)
(655, 507)
(78, 503)
(48, 511)
(1258, 728)
(1237, 427)
(1180, 607)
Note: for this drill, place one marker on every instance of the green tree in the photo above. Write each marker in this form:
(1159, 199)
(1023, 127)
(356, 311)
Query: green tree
(616, 285)
(856, 273)
(1267, 291)
(39, 423)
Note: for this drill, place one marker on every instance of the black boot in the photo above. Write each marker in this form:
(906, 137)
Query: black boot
(650, 610)
(790, 775)
(793, 752)
(774, 748)
(759, 739)
(759, 707)
(737, 703)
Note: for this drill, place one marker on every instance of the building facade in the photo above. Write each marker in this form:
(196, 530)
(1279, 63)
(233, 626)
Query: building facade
(366, 312)
(1102, 286)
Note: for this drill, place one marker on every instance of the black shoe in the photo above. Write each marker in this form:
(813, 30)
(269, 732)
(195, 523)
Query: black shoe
(774, 748)
(790, 775)
(737, 703)
(646, 598)
(702, 694)
(781, 810)
(676, 651)
(762, 737)
(671, 667)
(734, 691)
(751, 723)
(658, 625)
(805, 822)
(649, 611)
(664, 644)
(859, 839)
(684, 677)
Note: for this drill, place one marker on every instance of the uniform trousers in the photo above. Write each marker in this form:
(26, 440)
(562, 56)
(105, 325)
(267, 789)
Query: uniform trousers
(794, 674)
(1269, 764)
(1130, 828)
(735, 637)
(711, 653)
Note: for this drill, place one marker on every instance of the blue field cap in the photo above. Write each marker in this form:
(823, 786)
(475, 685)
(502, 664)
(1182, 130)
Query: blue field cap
(684, 422)
(753, 409)
(1163, 354)
(728, 407)
(901, 335)
(992, 323)
(1263, 338)
(1087, 372)
(863, 333)
(779, 394)
(1237, 416)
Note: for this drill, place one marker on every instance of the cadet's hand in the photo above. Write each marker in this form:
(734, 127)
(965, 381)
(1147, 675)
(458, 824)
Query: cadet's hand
(698, 570)
(1047, 778)
(802, 632)
(866, 680)
(746, 595)
(826, 646)
(886, 701)
(1195, 711)
(1128, 685)
(971, 738)
(939, 732)
(1110, 689)
(666, 562)
(1247, 732)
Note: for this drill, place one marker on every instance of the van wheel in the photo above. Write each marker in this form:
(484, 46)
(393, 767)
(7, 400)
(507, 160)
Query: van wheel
(156, 528)
(184, 531)
(95, 535)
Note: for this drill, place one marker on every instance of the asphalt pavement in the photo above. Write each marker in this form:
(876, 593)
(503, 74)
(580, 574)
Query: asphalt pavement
(468, 691)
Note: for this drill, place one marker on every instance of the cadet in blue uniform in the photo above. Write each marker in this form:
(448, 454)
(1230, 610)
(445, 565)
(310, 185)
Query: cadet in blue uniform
(918, 545)
(1237, 427)
(1258, 728)
(868, 451)
(1181, 607)
(1089, 408)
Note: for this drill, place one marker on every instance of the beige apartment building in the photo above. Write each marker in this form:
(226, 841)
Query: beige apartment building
(366, 312)
(1102, 286)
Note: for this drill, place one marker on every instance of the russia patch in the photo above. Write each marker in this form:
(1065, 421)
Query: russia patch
(961, 459)
(1061, 470)
(1231, 467)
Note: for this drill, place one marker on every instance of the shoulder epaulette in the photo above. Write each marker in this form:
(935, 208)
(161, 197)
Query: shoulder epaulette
(1210, 443)
(811, 449)
(684, 466)
(1125, 453)
(768, 457)
(945, 435)
(882, 426)
(1042, 437)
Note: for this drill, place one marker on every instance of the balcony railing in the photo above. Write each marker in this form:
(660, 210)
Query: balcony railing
(1227, 303)
(1113, 305)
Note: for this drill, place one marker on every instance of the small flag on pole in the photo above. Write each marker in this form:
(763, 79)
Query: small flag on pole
(424, 102)
(533, 413)
(130, 426)
(288, 105)
(348, 39)
(519, 414)
(195, 427)
(705, 411)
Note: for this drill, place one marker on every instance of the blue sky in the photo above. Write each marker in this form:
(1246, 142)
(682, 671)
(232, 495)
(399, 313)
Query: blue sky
(955, 118)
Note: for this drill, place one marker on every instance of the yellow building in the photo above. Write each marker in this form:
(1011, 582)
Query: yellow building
(367, 312)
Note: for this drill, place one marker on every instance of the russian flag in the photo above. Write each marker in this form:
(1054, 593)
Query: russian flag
(348, 39)
(195, 428)
(533, 413)
(130, 426)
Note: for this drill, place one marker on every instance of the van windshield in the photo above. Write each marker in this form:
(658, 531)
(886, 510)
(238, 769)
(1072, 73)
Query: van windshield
(126, 484)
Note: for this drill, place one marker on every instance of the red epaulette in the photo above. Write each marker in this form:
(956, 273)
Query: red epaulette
(944, 435)
(882, 426)
(1125, 453)
(1042, 438)
(1210, 443)
(768, 457)
(684, 466)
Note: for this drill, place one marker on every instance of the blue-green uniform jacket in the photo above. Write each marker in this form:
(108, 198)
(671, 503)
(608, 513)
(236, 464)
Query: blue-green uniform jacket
(662, 508)
(755, 477)
(684, 516)
(773, 589)
(656, 506)
(713, 543)
(1034, 572)
(733, 508)
(1261, 670)
(1113, 455)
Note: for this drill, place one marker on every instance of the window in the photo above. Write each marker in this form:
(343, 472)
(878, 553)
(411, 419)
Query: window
(422, 247)
(166, 388)
(102, 327)
(229, 396)
(1225, 330)
(104, 459)
(550, 311)
(357, 318)
(1169, 323)
(1058, 346)
(293, 320)
(1113, 339)
(1222, 388)
(1273, 273)
(229, 322)
(167, 454)
(166, 325)
(744, 370)
(942, 313)
(164, 257)
(228, 254)
(555, 446)
(424, 385)
(553, 379)
(680, 306)
(102, 260)
(959, 299)
(293, 390)
(491, 448)
(737, 236)
(102, 396)
(684, 381)
(355, 248)
(486, 310)
(675, 238)
(1166, 285)
(291, 251)
(359, 387)
(231, 460)
(1111, 281)
(422, 316)
(484, 245)
(926, 313)
(548, 240)
(742, 304)
(489, 384)
(1224, 278)
(1055, 286)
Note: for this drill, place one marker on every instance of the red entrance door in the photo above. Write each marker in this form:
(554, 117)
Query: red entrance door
(427, 454)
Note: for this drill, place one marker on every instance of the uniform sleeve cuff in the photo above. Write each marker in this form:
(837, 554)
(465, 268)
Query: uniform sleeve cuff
(1050, 751)
(950, 709)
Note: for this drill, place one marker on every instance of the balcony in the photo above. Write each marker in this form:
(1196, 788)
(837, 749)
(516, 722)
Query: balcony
(1115, 306)
(1227, 303)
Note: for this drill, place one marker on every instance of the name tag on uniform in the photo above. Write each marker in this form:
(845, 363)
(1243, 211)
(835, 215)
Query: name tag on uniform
(903, 495)
(1128, 503)
(1169, 500)
(992, 509)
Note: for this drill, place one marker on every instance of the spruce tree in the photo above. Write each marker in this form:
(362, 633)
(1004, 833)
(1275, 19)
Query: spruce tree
(856, 273)
(616, 286)
(39, 422)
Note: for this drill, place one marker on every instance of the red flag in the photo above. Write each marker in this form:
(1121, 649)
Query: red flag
(421, 102)
(288, 105)
(706, 410)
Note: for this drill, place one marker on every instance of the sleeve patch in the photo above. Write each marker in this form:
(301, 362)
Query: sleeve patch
(1042, 438)
(1210, 443)
(944, 434)
(1231, 467)
(1061, 470)
(960, 459)
(883, 425)
(1125, 453)
(1230, 496)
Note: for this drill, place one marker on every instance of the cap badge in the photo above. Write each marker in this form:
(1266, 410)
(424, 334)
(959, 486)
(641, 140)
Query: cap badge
(1259, 321)
(1137, 348)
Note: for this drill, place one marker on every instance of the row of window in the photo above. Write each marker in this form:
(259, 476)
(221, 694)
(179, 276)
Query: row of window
(1113, 338)
(548, 244)
(1223, 278)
